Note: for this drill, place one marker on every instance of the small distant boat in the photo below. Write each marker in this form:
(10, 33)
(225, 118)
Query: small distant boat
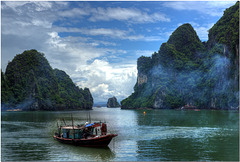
(87, 135)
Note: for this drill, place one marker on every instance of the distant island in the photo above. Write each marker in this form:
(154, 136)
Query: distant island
(112, 102)
(186, 72)
(30, 83)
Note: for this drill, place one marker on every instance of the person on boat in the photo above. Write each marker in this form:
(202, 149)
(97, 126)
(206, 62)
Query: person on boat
(86, 133)
(104, 129)
(68, 134)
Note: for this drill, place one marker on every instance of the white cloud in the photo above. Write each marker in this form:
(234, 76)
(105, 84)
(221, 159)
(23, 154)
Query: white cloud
(202, 31)
(43, 23)
(106, 80)
(126, 14)
(43, 5)
(107, 32)
(68, 51)
(132, 15)
(144, 52)
(37, 6)
(221, 4)
(13, 5)
(153, 38)
(55, 41)
(214, 8)
(113, 33)
(75, 12)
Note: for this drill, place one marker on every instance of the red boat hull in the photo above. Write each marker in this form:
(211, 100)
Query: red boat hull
(101, 141)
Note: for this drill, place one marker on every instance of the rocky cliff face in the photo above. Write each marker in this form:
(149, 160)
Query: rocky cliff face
(30, 83)
(186, 71)
(142, 78)
(143, 65)
(225, 33)
(112, 102)
(88, 99)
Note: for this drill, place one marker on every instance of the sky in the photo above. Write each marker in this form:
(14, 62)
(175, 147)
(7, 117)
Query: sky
(98, 43)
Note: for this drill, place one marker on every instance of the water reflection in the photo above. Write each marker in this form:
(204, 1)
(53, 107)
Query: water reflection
(22, 151)
(67, 152)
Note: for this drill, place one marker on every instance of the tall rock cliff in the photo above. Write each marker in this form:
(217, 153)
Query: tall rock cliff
(224, 36)
(186, 71)
(30, 83)
(112, 102)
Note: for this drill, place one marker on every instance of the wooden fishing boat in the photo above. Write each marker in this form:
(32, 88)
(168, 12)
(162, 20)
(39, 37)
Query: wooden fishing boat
(88, 135)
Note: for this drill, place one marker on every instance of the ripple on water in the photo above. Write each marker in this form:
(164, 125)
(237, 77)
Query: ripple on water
(165, 132)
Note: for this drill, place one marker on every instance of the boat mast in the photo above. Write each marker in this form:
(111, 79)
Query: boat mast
(73, 128)
(90, 117)
(64, 121)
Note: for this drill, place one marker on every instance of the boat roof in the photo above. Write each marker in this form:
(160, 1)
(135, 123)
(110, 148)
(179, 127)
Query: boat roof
(81, 126)
(88, 125)
(71, 127)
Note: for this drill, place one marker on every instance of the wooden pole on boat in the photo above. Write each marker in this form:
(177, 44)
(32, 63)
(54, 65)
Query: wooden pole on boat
(64, 121)
(87, 118)
(90, 117)
(73, 128)
(59, 130)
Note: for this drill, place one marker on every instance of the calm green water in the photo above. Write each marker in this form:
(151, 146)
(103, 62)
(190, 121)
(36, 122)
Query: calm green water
(156, 136)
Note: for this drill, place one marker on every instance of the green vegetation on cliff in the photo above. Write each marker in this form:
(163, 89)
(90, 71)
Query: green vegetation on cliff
(226, 30)
(70, 94)
(30, 83)
(185, 40)
(112, 102)
(182, 50)
(186, 71)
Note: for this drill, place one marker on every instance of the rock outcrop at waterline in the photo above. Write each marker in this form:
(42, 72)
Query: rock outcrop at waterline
(186, 71)
(112, 102)
(30, 83)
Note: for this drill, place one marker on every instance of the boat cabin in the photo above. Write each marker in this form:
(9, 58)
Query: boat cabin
(82, 131)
